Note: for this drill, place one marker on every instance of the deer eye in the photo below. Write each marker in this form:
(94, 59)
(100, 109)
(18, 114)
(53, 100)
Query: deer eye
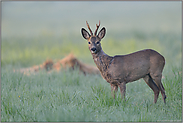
(98, 42)
(89, 43)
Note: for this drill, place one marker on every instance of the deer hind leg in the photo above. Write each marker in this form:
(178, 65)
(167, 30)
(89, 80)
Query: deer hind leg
(122, 89)
(163, 93)
(153, 86)
(114, 89)
(157, 80)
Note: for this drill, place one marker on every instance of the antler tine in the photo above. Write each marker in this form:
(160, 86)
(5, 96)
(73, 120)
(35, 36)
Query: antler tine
(97, 28)
(89, 28)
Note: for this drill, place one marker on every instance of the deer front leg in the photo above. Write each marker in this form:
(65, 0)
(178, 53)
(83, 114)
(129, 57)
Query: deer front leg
(122, 87)
(114, 89)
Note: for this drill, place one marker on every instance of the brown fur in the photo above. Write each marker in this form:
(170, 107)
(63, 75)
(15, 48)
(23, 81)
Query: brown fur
(121, 69)
(69, 61)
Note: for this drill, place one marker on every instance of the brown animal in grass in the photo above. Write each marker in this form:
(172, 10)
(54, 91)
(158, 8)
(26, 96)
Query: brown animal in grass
(121, 69)
(70, 61)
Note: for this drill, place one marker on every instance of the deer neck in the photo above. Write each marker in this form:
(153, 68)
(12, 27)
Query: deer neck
(102, 60)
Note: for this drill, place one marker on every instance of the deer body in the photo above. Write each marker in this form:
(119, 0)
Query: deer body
(120, 69)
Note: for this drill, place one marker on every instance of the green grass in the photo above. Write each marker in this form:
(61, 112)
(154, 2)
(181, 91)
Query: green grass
(25, 52)
(30, 36)
(70, 96)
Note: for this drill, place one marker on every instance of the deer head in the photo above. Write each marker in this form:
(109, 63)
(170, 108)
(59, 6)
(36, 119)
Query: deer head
(94, 40)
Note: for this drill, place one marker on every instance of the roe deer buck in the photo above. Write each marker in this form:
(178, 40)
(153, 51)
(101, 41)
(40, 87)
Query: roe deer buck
(120, 69)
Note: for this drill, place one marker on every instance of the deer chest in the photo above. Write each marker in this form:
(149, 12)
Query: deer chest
(107, 76)
(103, 64)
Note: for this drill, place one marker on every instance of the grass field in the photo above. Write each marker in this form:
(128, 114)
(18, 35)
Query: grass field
(72, 96)
(60, 97)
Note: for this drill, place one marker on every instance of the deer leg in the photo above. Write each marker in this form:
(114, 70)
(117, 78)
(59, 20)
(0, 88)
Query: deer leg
(114, 89)
(122, 89)
(157, 79)
(163, 93)
(153, 86)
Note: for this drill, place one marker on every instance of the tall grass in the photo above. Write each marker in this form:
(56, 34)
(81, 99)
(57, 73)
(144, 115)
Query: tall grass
(70, 96)
(30, 36)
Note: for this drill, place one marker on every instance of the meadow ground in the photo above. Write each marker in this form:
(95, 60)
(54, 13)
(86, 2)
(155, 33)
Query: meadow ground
(35, 31)
(71, 96)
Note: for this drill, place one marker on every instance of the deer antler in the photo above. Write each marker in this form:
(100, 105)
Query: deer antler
(89, 28)
(97, 28)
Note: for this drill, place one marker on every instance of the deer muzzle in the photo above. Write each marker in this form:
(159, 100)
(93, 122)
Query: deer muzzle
(93, 50)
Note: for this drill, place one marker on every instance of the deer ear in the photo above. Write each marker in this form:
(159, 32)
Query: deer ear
(102, 32)
(84, 33)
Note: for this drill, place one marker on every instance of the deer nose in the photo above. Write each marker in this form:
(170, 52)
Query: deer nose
(93, 49)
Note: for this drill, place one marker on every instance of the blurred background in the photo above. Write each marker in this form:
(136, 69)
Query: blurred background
(35, 31)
